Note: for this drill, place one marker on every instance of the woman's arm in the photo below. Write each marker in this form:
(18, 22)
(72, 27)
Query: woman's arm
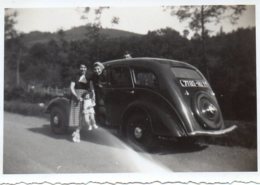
(72, 90)
(91, 86)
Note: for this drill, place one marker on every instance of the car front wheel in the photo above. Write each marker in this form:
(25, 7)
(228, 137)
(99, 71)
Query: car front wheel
(58, 120)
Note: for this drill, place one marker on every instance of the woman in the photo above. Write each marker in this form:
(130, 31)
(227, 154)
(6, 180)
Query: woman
(98, 69)
(79, 86)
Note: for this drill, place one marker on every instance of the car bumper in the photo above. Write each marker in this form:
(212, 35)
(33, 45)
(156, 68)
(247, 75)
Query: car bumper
(215, 132)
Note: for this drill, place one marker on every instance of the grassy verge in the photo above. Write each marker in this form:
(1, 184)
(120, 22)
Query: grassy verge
(24, 108)
(245, 135)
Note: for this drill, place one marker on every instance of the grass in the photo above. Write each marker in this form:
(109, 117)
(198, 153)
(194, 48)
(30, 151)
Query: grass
(245, 135)
(24, 108)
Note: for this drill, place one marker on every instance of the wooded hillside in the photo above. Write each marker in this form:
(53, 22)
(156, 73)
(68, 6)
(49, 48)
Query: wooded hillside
(50, 59)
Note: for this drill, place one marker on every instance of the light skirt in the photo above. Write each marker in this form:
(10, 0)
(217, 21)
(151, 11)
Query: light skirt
(76, 112)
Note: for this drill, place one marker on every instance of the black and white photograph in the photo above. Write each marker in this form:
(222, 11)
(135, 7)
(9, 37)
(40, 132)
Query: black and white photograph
(112, 90)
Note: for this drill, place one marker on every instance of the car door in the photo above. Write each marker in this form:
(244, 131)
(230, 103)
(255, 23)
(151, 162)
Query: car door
(117, 92)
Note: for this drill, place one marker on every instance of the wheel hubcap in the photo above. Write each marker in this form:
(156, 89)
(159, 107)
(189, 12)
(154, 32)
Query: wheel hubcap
(56, 120)
(209, 110)
(138, 132)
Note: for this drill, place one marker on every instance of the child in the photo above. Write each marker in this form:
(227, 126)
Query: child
(88, 111)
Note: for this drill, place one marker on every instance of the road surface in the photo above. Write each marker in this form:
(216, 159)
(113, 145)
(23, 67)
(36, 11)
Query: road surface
(30, 147)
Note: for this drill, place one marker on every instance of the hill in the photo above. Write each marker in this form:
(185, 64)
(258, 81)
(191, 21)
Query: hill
(76, 33)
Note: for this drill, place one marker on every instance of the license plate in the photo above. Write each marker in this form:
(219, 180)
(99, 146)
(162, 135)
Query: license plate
(193, 83)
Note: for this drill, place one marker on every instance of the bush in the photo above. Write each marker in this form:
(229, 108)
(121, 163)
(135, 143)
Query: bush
(35, 97)
(28, 109)
(19, 94)
(14, 93)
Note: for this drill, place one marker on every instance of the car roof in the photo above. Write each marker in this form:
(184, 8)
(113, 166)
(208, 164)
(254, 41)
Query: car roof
(147, 61)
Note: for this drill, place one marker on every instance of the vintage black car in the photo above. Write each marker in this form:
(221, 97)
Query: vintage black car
(148, 97)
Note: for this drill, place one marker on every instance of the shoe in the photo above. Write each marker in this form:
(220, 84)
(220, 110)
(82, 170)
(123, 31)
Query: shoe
(76, 137)
(74, 134)
(77, 140)
(90, 128)
(95, 126)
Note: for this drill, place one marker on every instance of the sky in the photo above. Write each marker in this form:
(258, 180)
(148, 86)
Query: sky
(134, 19)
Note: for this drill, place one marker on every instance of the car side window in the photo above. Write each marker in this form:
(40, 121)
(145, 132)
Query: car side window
(145, 78)
(119, 77)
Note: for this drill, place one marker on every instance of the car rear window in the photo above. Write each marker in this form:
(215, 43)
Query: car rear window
(181, 72)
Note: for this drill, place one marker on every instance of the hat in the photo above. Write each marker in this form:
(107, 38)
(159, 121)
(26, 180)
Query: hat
(99, 64)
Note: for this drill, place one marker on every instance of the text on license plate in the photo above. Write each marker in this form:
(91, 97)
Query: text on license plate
(193, 83)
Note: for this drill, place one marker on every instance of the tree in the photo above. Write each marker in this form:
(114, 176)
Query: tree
(200, 16)
(14, 48)
(10, 21)
(186, 33)
(115, 20)
(235, 55)
(93, 28)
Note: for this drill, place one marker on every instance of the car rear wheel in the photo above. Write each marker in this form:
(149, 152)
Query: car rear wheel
(58, 121)
(139, 131)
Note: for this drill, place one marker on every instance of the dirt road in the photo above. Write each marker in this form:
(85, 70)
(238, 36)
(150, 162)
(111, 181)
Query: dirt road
(31, 147)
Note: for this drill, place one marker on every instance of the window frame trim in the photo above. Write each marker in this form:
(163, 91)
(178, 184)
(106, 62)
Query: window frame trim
(109, 85)
(133, 68)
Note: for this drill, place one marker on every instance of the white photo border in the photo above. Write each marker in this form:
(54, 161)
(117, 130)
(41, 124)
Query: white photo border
(125, 178)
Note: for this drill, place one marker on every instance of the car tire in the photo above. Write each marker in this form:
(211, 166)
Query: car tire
(139, 131)
(58, 121)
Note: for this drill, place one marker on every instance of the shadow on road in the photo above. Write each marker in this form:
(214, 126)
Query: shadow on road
(103, 137)
(111, 139)
(46, 130)
(172, 147)
(100, 136)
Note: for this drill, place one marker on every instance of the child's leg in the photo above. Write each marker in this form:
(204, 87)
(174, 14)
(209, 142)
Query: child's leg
(93, 121)
(87, 120)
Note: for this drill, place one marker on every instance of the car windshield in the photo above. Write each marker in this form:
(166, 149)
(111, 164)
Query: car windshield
(180, 72)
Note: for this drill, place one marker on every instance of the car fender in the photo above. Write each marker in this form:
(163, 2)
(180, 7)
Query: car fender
(60, 102)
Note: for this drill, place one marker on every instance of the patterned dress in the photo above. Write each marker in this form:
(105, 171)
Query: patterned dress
(76, 107)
